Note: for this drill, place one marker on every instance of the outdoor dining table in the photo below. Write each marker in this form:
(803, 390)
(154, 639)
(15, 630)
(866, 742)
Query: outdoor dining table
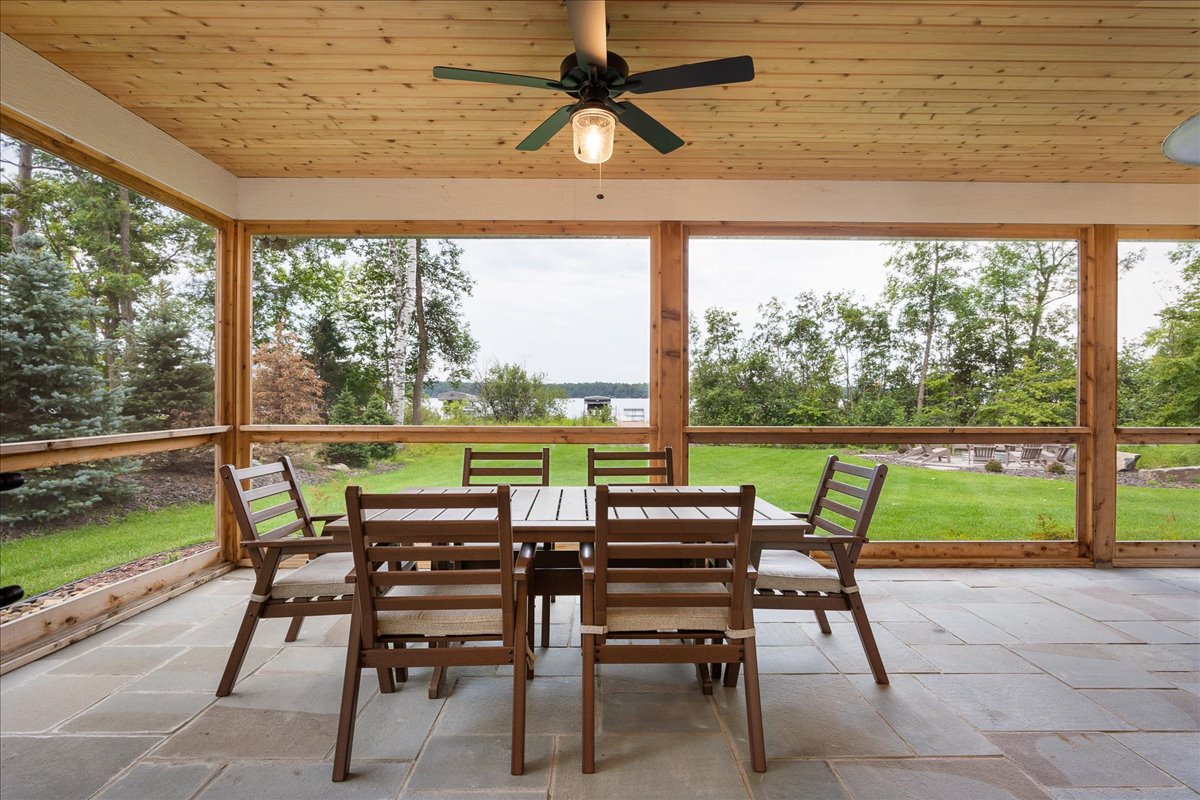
(567, 514)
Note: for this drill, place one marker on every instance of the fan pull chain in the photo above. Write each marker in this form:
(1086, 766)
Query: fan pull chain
(600, 181)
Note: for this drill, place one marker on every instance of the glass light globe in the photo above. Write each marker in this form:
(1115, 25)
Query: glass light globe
(594, 130)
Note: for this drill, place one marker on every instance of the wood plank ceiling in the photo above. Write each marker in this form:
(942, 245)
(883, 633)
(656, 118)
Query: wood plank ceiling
(1013, 90)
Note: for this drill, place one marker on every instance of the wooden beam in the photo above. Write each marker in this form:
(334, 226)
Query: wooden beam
(1101, 267)
(871, 230)
(1157, 554)
(233, 355)
(1158, 232)
(1158, 435)
(971, 554)
(27, 130)
(18, 456)
(456, 434)
(1084, 394)
(870, 435)
(454, 228)
(33, 635)
(668, 342)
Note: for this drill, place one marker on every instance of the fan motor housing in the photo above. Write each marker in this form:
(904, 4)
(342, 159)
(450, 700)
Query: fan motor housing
(573, 77)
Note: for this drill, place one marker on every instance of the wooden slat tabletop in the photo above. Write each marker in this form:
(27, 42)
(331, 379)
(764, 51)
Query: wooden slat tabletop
(567, 514)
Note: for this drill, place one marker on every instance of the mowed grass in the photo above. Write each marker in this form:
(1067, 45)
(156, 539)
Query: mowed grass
(916, 503)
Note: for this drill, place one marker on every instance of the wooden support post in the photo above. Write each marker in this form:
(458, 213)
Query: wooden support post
(1096, 458)
(668, 342)
(233, 316)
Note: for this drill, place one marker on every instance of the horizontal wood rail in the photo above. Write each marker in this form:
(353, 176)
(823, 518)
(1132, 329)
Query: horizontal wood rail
(17, 456)
(872, 230)
(1157, 554)
(451, 434)
(27, 130)
(1158, 232)
(455, 228)
(872, 435)
(889, 553)
(1158, 435)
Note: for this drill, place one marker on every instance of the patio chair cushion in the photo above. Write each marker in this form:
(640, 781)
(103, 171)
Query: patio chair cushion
(789, 569)
(699, 618)
(324, 575)
(443, 622)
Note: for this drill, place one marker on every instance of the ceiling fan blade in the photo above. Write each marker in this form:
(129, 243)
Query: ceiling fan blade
(545, 132)
(503, 78)
(648, 128)
(589, 29)
(688, 76)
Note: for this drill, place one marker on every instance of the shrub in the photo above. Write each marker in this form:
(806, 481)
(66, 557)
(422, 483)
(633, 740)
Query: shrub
(1055, 468)
(346, 411)
(993, 466)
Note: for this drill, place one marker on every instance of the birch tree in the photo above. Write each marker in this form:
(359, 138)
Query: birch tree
(404, 272)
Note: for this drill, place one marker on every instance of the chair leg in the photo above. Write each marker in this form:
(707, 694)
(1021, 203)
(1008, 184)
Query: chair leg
(241, 644)
(731, 674)
(822, 620)
(546, 600)
(859, 614)
(703, 676)
(716, 668)
(518, 709)
(589, 704)
(401, 673)
(387, 681)
(531, 615)
(754, 720)
(294, 629)
(349, 709)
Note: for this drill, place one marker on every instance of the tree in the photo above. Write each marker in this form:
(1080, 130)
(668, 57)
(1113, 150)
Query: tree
(924, 284)
(347, 411)
(509, 393)
(1173, 368)
(170, 380)
(50, 383)
(286, 387)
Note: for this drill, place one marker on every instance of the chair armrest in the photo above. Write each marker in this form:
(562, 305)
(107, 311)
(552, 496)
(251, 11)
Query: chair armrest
(751, 573)
(296, 544)
(796, 514)
(326, 517)
(524, 558)
(587, 561)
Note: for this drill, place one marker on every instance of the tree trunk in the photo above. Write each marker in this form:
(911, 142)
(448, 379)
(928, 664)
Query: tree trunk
(125, 302)
(24, 175)
(405, 276)
(930, 321)
(422, 343)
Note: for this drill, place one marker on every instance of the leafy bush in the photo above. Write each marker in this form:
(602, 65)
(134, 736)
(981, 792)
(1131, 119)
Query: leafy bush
(508, 393)
(993, 466)
(1055, 468)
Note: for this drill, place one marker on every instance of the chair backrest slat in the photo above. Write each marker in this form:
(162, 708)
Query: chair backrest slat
(541, 472)
(853, 502)
(662, 541)
(651, 464)
(243, 494)
(411, 527)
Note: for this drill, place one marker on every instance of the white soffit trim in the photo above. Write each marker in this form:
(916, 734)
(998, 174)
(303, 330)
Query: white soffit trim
(718, 200)
(32, 86)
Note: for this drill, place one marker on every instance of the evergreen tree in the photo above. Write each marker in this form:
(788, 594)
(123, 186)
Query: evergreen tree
(287, 390)
(347, 411)
(170, 381)
(51, 384)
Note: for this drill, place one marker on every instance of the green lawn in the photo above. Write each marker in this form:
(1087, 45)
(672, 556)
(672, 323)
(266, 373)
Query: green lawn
(916, 504)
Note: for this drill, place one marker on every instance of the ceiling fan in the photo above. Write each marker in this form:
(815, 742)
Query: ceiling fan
(596, 77)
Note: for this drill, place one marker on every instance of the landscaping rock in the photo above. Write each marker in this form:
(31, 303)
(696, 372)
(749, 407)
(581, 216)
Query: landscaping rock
(1172, 474)
(339, 467)
(1127, 462)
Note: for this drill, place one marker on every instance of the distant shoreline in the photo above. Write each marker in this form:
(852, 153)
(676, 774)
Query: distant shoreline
(571, 390)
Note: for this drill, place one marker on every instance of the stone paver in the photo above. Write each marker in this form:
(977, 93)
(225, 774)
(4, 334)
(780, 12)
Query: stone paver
(1019, 684)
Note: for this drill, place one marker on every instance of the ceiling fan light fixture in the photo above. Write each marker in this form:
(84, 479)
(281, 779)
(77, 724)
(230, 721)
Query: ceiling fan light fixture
(593, 130)
(1183, 143)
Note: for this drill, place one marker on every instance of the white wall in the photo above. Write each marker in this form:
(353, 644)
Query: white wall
(36, 88)
(724, 200)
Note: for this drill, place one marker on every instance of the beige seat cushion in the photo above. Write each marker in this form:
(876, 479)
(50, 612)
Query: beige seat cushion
(788, 569)
(438, 622)
(685, 618)
(324, 575)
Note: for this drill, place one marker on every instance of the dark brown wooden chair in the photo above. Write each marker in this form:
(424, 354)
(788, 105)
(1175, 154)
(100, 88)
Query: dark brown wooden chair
(318, 588)
(441, 609)
(791, 579)
(511, 468)
(648, 464)
(705, 605)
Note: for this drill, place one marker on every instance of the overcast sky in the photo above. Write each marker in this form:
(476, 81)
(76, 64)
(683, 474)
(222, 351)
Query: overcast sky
(578, 310)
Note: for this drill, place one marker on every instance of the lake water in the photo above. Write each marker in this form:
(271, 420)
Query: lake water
(625, 409)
